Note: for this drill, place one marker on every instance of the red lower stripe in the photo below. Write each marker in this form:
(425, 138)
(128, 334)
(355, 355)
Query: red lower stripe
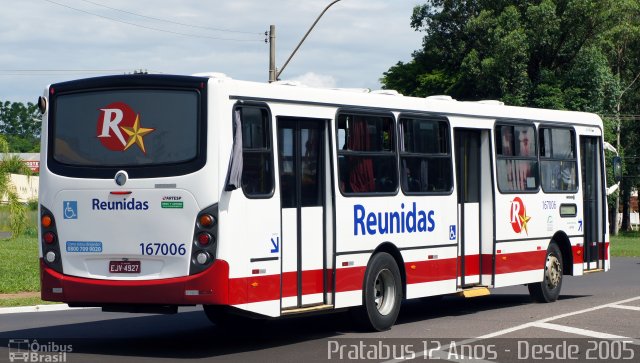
(217, 288)
(213, 285)
(519, 262)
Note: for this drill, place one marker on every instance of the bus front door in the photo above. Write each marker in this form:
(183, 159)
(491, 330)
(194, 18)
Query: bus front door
(593, 217)
(475, 206)
(303, 155)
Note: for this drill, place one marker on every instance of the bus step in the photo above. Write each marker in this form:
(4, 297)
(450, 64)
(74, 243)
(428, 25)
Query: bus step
(593, 270)
(306, 309)
(474, 292)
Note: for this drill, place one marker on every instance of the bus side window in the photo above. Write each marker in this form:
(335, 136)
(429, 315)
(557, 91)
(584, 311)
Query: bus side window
(558, 163)
(517, 161)
(366, 154)
(257, 168)
(425, 156)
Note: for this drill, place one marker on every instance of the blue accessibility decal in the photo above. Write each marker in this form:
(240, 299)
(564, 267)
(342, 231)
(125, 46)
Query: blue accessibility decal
(70, 209)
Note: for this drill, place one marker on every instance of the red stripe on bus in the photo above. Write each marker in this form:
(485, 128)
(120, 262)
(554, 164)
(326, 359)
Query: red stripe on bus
(216, 287)
(520, 261)
(267, 287)
(213, 283)
(487, 264)
(289, 284)
(578, 254)
(350, 278)
(430, 270)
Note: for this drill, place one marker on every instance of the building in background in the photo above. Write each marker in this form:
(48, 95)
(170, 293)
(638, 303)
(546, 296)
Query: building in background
(31, 159)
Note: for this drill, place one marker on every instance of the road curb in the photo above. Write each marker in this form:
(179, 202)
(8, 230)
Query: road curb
(37, 308)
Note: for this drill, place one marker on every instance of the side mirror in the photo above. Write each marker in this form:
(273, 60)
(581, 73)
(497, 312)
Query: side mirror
(617, 169)
(42, 104)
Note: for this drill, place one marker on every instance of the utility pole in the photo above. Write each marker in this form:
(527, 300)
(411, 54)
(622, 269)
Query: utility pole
(272, 53)
(272, 50)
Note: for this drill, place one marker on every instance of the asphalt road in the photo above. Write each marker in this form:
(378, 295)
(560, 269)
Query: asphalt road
(599, 312)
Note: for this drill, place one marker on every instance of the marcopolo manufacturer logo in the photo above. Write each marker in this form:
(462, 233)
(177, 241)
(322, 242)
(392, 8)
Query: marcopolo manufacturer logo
(172, 202)
(119, 128)
(131, 204)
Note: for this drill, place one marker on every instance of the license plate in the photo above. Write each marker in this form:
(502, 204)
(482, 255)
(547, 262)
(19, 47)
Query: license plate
(124, 267)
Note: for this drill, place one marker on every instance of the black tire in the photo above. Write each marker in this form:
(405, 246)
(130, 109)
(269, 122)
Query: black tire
(381, 294)
(549, 289)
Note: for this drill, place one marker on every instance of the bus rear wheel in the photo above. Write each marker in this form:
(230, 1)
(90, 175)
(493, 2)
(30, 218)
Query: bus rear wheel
(381, 295)
(549, 289)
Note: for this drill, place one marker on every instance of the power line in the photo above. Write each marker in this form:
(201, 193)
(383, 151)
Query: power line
(151, 28)
(171, 21)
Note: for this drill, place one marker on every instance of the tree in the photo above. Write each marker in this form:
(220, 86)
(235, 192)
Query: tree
(528, 53)
(20, 125)
(621, 44)
(562, 54)
(17, 210)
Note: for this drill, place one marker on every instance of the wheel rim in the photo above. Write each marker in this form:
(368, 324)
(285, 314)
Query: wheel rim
(384, 288)
(553, 271)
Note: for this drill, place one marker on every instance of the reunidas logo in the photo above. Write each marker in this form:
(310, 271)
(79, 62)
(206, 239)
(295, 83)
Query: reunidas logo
(119, 128)
(131, 204)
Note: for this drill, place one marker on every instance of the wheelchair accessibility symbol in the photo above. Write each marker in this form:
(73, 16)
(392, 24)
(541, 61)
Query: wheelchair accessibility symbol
(452, 232)
(70, 209)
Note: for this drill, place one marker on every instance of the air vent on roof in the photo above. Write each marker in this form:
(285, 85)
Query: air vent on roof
(353, 90)
(440, 98)
(492, 102)
(389, 92)
(289, 83)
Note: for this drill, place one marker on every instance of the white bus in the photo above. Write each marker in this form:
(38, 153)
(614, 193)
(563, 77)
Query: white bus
(267, 200)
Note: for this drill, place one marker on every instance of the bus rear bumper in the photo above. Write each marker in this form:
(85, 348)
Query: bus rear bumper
(208, 287)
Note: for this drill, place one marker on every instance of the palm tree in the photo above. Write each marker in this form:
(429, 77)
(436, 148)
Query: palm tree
(17, 211)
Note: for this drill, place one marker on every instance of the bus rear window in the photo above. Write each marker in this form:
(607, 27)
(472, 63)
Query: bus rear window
(125, 128)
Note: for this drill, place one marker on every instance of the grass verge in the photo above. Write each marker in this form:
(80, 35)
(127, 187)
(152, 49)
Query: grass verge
(19, 266)
(22, 301)
(626, 244)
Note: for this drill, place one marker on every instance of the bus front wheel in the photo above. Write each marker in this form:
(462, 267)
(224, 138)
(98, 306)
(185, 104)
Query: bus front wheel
(381, 294)
(549, 289)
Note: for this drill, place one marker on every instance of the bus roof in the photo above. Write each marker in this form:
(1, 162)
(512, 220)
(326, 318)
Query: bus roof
(389, 100)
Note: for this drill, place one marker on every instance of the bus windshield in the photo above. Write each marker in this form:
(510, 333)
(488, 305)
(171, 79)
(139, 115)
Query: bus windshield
(124, 128)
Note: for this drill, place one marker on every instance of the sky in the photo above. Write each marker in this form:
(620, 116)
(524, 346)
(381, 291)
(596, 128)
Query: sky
(49, 41)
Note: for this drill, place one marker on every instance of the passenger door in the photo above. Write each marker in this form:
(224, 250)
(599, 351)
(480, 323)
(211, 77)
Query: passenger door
(592, 192)
(302, 153)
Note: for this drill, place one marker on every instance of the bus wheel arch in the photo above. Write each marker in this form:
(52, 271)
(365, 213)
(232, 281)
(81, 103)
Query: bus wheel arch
(562, 241)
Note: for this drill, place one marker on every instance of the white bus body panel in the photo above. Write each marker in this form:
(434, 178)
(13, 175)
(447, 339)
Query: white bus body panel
(97, 218)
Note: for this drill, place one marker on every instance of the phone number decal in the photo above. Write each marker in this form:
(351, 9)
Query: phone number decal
(84, 246)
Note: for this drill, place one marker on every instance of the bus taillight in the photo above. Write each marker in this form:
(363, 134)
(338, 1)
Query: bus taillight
(207, 220)
(49, 238)
(46, 221)
(49, 242)
(204, 239)
(205, 235)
